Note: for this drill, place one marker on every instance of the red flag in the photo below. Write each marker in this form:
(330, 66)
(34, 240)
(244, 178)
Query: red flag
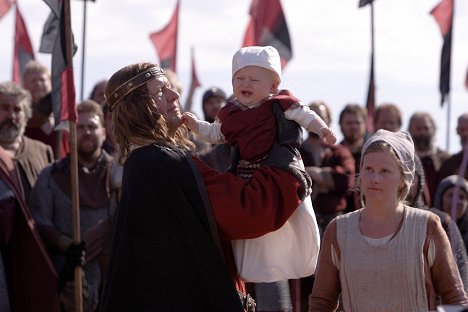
(165, 41)
(195, 82)
(267, 26)
(5, 6)
(443, 14)
(63, 86)
(23, 48)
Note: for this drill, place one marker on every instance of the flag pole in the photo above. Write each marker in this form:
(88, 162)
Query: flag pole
(370, 101)
(193, 83)
(83, 48)
(447, 138)
(449, 100)
(443, 14)
(447, 96)
(372, 29)
(372, 87)
(73, 162)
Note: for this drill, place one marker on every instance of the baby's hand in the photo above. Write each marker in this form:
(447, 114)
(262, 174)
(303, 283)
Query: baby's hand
(327, 135)
(190, 120)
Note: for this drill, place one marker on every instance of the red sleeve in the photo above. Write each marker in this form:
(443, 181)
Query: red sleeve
(248, 209)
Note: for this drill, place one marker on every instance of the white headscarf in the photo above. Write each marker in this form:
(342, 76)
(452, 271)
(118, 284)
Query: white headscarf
(402, 145)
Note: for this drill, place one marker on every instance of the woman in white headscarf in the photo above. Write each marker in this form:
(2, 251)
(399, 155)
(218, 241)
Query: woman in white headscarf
(386, 256)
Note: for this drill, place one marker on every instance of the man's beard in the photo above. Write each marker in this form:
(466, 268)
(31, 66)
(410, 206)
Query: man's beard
(463, 142)
(9, 131)
(353, 137)
(87, 150)
(422, 142)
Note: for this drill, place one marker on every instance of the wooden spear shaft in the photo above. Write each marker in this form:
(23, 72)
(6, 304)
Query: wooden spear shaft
(73, 162)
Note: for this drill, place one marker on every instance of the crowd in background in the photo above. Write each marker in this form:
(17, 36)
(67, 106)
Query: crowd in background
(35, 188)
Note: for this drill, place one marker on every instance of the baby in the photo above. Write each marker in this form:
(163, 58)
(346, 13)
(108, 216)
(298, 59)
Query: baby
(248, 121)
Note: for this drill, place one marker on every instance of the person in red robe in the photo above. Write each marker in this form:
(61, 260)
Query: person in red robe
(27, 276)
(165, 254)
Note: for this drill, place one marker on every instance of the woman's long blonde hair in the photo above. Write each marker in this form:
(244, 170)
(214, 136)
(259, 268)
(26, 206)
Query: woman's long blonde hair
(136, 118)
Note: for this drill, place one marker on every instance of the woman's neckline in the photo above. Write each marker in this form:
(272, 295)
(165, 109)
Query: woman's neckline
(386, 230)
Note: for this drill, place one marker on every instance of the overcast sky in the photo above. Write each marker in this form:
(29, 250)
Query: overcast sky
(331, 49)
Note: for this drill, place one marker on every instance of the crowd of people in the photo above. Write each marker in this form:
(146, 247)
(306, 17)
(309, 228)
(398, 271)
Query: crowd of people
(163, 194)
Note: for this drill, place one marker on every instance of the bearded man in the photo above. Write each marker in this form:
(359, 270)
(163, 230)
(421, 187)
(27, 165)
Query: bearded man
(29, 156)
(453, 165)
(422, 129)
(99, 180)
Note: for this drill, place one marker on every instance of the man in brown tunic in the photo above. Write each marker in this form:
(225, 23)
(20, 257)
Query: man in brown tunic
(422, 129)
(50, 202)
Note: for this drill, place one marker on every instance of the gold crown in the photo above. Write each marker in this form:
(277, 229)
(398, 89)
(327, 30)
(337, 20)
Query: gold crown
(132, 84)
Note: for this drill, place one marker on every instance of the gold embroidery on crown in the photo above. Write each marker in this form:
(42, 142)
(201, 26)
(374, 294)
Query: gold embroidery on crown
(133, 83)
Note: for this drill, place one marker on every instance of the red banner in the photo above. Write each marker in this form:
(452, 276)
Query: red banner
(5, 6)
(63, 87)
(267, 27)
(23, 48)
(195, 82)
(443, 14)
(165, 42)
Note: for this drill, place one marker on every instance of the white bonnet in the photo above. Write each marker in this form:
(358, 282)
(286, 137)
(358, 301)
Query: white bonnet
(266, 57)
